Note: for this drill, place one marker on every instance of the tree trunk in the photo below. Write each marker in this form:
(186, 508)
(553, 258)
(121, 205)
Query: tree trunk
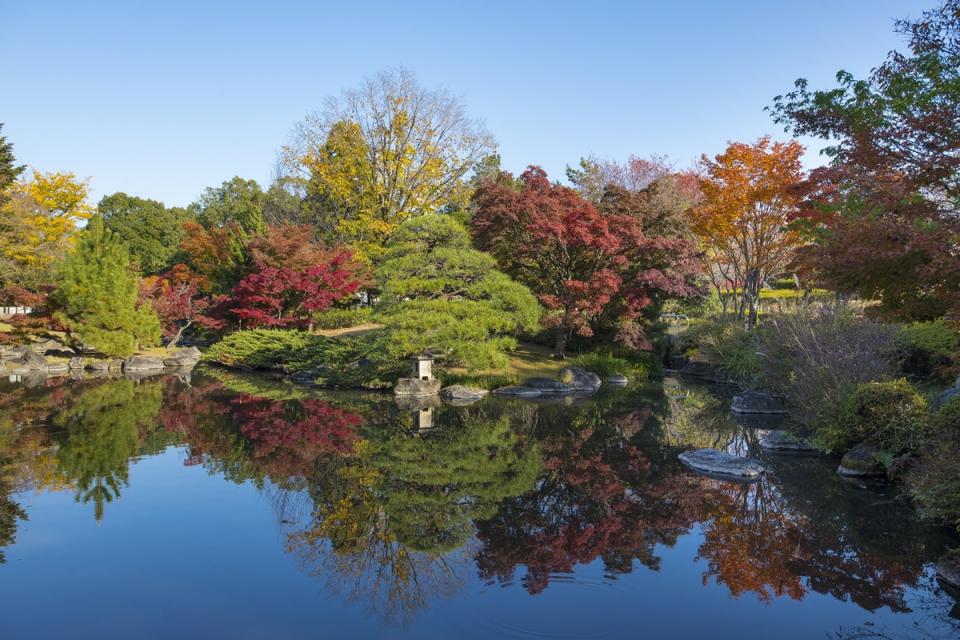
(176, 338)
(560, 345)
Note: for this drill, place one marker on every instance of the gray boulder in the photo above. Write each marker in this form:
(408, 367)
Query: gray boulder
(617, 380)
(76, 363)
(757, 402)
(516, 391)
(783, 442)
(721, 464)
(549, 386)
(32, 361)
(580, 379)
(863, 461)
(458, 393)
(188, 357)
(97, 365)
(416, 387)
(142, 363)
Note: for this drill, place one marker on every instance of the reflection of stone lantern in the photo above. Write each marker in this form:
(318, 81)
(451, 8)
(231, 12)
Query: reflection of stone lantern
(423, 420)
(423, 368)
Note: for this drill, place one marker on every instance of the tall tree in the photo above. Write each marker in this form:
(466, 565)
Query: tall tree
(97, 296)
(379, 154)
(594, 174)
(236, 201)
(886, 210)
(9, 170)
(442, 295)
(151, 231)
(40, 218)
(749, 200)
(578, 261)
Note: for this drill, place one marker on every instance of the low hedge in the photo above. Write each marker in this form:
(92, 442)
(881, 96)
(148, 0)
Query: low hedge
(606, 363)
(348, 362)
(929, 349)
(342, 318)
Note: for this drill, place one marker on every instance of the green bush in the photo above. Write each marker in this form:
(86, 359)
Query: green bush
(929, 349)
(935, 480)
(725, 344)
(891, 415)
(356, 361)
(342, 318)
(606, 363)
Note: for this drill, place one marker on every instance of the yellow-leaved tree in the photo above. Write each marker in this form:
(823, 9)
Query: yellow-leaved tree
(38, 220)
(380, 154)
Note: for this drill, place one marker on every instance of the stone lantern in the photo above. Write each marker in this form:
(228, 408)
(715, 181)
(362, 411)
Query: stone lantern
(423, 368)
(422, 383)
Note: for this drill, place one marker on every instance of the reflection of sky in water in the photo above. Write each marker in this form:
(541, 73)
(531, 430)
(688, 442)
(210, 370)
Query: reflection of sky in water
(255, 510)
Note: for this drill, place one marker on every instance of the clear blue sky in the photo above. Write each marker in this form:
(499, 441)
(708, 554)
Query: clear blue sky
(161, 99)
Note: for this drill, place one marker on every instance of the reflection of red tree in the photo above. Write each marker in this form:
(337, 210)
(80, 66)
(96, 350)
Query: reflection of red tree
(601, 499)
(258, 436)
(288, 437)
(581, 511)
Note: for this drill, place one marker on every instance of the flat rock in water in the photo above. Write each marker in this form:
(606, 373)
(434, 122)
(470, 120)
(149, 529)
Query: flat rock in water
(142, 363)
(862, 462)
(57, 368)
(188, 357)
(757, 402)
(416, 387)
(549, 386)
(76, 363)
(783, 442)
(580, 379)
(617, 380)
(720, 463)
(517, 391)
(459, 393)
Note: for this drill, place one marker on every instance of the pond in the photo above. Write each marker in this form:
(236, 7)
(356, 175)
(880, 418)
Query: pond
(229, 506)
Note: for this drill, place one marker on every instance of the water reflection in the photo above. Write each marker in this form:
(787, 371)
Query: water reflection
(397, 505)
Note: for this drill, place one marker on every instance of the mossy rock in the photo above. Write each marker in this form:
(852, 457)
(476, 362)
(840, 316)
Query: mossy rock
(863, 461)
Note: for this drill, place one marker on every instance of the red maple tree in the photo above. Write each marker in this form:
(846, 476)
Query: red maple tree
(577, 259)
(287, 296)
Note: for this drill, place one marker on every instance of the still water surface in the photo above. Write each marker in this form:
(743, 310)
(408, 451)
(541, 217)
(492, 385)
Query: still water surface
(225, 506)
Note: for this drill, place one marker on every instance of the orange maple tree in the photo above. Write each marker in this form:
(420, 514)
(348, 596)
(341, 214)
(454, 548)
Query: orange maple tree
(750, 196)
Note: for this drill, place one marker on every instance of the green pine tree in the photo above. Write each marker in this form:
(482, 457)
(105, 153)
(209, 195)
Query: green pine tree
(97, 296)
(442, 295)
(8, 170)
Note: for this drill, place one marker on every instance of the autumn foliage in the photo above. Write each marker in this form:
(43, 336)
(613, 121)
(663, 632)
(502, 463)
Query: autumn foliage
(578, 260)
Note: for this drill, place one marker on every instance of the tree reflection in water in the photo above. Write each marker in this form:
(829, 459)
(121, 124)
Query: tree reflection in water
(397, 519)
